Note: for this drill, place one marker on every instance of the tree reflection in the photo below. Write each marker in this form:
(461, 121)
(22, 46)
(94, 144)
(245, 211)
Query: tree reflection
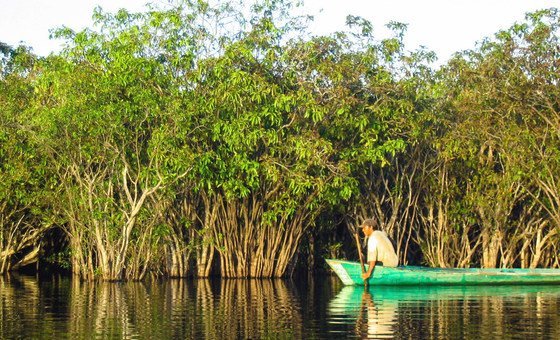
(186, 309)
(14, 310)
(102, 309)
(260, 308)
(151, 309)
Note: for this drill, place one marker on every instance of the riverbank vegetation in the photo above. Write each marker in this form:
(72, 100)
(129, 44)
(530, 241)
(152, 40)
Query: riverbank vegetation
(198, 139)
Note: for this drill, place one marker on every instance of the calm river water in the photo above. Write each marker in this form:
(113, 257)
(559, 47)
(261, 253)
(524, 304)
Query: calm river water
(58, 307)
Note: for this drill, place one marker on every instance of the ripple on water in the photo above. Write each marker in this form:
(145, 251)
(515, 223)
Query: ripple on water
(59, 307)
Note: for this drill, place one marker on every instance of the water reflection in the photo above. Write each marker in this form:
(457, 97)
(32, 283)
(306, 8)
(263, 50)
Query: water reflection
(448, 312)
(10, 311)
(260, 308)
(380, 317)
(185, 309)
(59, 307)
(182, 309)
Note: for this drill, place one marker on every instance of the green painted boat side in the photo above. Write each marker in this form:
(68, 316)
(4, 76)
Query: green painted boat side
(350, 274)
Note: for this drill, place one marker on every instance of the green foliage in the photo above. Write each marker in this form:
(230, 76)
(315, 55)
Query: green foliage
(202, 100)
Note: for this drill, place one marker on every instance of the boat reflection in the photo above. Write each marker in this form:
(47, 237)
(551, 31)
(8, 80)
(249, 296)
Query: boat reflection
(393, 312)
(58, 307)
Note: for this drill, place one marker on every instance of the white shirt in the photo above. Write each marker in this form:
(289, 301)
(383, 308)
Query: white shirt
(380, 249)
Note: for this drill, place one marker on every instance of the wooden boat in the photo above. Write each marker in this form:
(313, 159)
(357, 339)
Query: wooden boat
(350, 274)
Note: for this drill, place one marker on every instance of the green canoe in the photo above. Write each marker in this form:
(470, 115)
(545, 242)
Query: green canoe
(350, 274)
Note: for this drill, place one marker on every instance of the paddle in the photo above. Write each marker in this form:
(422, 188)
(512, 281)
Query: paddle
(360, 255)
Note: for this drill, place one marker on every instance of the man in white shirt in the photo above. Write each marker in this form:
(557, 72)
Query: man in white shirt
(380, 250)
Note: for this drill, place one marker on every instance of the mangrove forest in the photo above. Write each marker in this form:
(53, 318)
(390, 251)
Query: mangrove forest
(226, 139)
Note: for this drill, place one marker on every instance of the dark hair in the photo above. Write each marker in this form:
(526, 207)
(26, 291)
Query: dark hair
(370, 223)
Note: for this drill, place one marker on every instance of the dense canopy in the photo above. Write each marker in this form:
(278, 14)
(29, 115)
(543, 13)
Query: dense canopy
(195, 139)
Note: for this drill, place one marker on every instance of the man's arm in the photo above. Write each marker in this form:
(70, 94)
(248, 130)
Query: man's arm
(371, 267)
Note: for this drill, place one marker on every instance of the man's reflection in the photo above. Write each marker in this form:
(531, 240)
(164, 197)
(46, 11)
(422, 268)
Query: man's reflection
(377, 318)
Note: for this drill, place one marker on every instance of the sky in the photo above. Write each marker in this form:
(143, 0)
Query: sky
(443, 26)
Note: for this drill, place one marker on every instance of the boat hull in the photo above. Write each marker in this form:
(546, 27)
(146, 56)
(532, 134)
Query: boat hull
(350, 274)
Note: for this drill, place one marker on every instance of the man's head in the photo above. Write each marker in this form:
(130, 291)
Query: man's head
(368, 226)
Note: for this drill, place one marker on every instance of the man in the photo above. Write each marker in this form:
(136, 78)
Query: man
(380, 250)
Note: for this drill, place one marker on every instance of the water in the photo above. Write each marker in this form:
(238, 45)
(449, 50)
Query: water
(61, 308)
